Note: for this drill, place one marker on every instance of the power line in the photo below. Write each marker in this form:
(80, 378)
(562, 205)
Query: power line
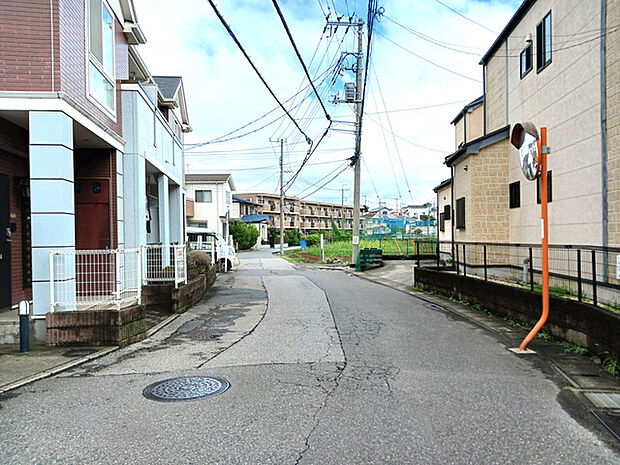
(232, 35)
(326, 183)
(317, 182)
(393, 136)
(429, 61)
(425, 107)
(463, 16)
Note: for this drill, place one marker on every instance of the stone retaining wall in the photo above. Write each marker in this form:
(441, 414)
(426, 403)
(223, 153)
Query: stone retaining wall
(581, 323)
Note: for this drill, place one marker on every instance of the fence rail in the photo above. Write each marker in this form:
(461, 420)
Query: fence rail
(94, 279)
(583, 272)
(102, 279)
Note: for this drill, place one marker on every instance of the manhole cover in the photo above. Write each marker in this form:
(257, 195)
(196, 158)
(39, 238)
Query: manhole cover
(185, 389)
(435, 307)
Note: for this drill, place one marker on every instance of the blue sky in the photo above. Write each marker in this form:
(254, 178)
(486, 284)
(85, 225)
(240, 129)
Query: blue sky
(186, 38)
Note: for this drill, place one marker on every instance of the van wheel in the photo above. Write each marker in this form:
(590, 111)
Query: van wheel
(223, 262)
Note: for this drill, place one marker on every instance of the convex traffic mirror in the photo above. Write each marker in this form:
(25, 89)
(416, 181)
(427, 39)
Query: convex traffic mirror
(525, 139)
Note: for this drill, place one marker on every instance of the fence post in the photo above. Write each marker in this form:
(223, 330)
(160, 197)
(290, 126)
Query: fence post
(579, 288)
(438, 252)
(485, 261)
(176, 268)
(139, 274)
(51, 281)
(531, 270)
(185, 262)
(464, 262)
(456, 249)
(594, 277)
(407, 241)
(418, 253)
(117, 266)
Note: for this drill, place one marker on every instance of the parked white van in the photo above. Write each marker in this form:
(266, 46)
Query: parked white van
(213, 243)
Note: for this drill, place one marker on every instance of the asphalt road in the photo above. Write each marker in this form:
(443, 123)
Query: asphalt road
(324, 368)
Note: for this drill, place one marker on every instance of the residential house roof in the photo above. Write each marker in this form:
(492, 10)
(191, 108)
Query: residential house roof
(466, 108)
(246, 201)
(168, 85)
(210, 178)
(254, 218)
(475, 145)
(442, 184)
(516, 19)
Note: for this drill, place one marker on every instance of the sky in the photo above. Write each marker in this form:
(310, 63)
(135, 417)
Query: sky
(423, 70)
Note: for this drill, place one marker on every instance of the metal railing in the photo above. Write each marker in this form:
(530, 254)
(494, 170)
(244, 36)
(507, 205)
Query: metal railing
(205, 245)
(582, 272)
(94, 279)
(164, 263)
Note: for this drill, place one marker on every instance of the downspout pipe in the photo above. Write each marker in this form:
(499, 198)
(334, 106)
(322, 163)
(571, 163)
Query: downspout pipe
(604, 131)
(452, 221)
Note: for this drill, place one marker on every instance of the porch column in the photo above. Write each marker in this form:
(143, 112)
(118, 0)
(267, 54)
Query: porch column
(164, 215)
(176, 214)
(134, 200)
(52, 206)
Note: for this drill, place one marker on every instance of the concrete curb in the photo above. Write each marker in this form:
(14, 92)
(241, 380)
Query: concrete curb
(78, 361)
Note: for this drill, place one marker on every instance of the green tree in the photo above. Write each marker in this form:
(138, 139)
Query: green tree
(243, 234)
(292, 236)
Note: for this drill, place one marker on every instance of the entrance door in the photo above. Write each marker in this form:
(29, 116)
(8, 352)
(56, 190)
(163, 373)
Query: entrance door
(92, 214)
(5, 244)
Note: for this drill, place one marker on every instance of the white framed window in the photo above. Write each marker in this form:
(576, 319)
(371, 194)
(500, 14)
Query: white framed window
(101, 82)
(228, 197)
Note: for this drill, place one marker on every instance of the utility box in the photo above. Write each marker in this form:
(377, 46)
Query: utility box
(349, 92)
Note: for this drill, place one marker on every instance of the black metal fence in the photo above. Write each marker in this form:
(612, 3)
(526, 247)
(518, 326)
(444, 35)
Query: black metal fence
(585, 273)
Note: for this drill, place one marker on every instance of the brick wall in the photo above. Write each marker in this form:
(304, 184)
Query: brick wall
(73, 61)
(613, 126)
(29, 32)
(14, 139)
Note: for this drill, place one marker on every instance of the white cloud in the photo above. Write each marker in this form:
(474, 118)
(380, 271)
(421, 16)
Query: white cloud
(186, 38)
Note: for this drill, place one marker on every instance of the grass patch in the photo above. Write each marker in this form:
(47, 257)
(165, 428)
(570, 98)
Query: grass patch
(611, 366)
(571, 348)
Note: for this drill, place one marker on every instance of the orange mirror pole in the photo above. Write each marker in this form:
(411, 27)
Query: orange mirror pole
(542, 150)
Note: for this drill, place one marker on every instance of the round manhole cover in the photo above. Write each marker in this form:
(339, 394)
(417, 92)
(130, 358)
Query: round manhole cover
(435, 307)
(185, 389)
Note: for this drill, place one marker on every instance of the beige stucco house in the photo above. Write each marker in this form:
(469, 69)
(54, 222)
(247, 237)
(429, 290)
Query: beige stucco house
(551, 65)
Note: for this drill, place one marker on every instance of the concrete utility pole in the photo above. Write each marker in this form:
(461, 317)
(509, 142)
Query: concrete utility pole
(358, 145)
(281, 196)
(343, 224)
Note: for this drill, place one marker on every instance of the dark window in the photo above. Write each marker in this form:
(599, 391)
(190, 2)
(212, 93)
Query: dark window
(549, 187)
(446, 212)
(543, 43)
(203, 197)
(460, 213)
(442, 222)
(515, 194)
(96, 188)
(526, 59)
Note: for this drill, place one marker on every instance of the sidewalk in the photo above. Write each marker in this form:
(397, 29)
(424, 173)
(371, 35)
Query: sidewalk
(596, 390)
(18, 369)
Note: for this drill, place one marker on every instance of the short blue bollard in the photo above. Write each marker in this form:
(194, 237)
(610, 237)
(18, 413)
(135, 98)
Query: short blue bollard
(24, 326)
(302, 243)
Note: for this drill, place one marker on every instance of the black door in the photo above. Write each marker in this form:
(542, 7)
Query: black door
(5, 244)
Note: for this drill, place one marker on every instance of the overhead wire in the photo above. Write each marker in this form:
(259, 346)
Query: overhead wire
(234, 37)
(467, 18)
(387, 115)
(326, 183)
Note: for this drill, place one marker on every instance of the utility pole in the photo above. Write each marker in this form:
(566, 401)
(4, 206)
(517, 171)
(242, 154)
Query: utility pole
(281, 196)
(357, 99)
(343, 225)
(358, 145)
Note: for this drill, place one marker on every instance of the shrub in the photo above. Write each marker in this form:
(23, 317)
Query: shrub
(198, 263)
(243, 234)
(313, 239)
(292, 236)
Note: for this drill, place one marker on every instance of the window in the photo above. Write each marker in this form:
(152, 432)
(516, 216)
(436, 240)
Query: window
(203, 197)
(515, 194)
(543, 43)
(460, 213)
(446, 212)
(442, 222)
(526, 59)
(549, 188)
(101, 83)
(228, 197)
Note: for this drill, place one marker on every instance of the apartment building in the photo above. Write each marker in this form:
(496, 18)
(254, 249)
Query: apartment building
(551, 65)
(306, 215)
(91, 144)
